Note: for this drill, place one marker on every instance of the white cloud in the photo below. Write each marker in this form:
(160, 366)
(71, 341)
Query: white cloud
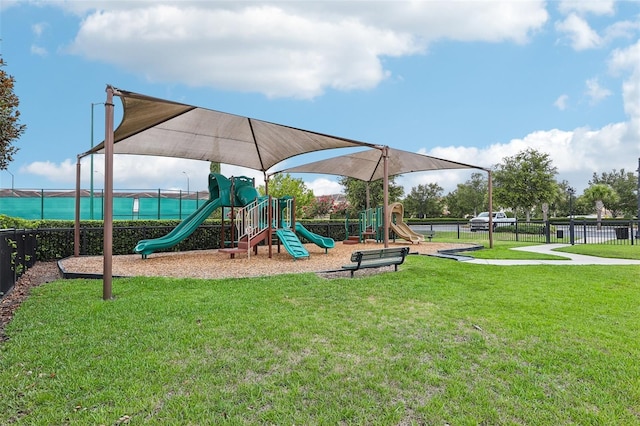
(577, 154)
(324, 186)
(622, 29)
(39, 28)
(596, 7)
(595, 92)
(38, 50)
(628, 60)
(129, 172)
(6, 4)
(287, 49)
(580, 34)
(247, 50)
(59, 173)
(561, 102)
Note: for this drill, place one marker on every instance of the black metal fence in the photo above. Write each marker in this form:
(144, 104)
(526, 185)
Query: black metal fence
(17, 254)
(619, 232)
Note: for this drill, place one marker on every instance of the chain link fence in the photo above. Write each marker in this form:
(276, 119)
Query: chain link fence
(48, 204)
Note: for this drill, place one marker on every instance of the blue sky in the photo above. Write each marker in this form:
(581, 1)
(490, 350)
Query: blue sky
(469, 81)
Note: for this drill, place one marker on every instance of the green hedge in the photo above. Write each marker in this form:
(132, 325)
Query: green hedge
(56, 238)
(525, 228)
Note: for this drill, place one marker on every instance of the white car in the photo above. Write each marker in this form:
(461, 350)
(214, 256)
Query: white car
(481, 222)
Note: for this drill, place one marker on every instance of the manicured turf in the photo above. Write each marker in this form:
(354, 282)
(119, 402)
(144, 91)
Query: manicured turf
(620, 251)
(439, 342)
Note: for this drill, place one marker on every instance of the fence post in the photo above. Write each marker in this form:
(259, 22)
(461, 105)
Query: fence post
(547, 231)
(571, 231)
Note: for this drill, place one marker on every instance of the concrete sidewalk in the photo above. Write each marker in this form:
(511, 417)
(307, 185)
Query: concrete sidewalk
(572, 259)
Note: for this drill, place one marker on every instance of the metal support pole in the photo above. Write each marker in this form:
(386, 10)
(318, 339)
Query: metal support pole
(108, 196)
(91, 161)
(638, 216)
(76, 226)
(571, 191)
(385, 204)
(12, 182)
(490, 208)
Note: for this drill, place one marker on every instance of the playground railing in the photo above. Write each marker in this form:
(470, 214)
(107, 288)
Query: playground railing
(253, 219)
(370, 221)
(287, 213)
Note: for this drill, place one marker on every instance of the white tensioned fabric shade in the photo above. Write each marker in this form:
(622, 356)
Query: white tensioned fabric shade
(152, 126)
(369, 165)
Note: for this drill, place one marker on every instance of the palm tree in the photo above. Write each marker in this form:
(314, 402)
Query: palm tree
(600, 194)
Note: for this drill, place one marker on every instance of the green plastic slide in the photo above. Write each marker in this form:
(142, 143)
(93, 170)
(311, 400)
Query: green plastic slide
(319, 240)
(180, 232)
(291, 243)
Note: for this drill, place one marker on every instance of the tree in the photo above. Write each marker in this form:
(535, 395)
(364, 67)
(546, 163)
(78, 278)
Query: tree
(469, 198)
(525, 180)
(625, 185)
(600, 195)
(424, 201)
(10, 127)
(356, 191)
(282, 184)
(319, 207)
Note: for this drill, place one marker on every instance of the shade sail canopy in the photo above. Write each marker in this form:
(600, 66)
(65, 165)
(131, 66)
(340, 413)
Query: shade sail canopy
(152, 126)
(368, 165)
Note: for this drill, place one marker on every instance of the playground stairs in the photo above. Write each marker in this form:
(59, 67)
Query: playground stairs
(352, 239)
(245, 244)
(368, 234)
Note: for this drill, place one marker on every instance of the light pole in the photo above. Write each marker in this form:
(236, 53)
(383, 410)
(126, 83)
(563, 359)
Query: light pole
(91, 178)
(571, 192)
(638, 216)
(185, 173)
(12, 192)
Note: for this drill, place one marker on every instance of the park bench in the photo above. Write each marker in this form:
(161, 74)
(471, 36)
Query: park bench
(429, 234)
(377, 258)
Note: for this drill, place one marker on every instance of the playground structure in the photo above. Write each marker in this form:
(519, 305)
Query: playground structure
(371, 225)
(255, 219)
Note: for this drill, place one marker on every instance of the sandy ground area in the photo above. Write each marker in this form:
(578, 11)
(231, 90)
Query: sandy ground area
(213, 264)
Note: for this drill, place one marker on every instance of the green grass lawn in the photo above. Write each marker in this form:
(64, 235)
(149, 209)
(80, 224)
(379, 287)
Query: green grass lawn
(503, 250)
(439, 342)
(621, 251)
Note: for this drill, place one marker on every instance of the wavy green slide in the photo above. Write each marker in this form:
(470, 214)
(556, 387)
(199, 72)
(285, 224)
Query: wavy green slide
(180, 232)
(319, 240)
